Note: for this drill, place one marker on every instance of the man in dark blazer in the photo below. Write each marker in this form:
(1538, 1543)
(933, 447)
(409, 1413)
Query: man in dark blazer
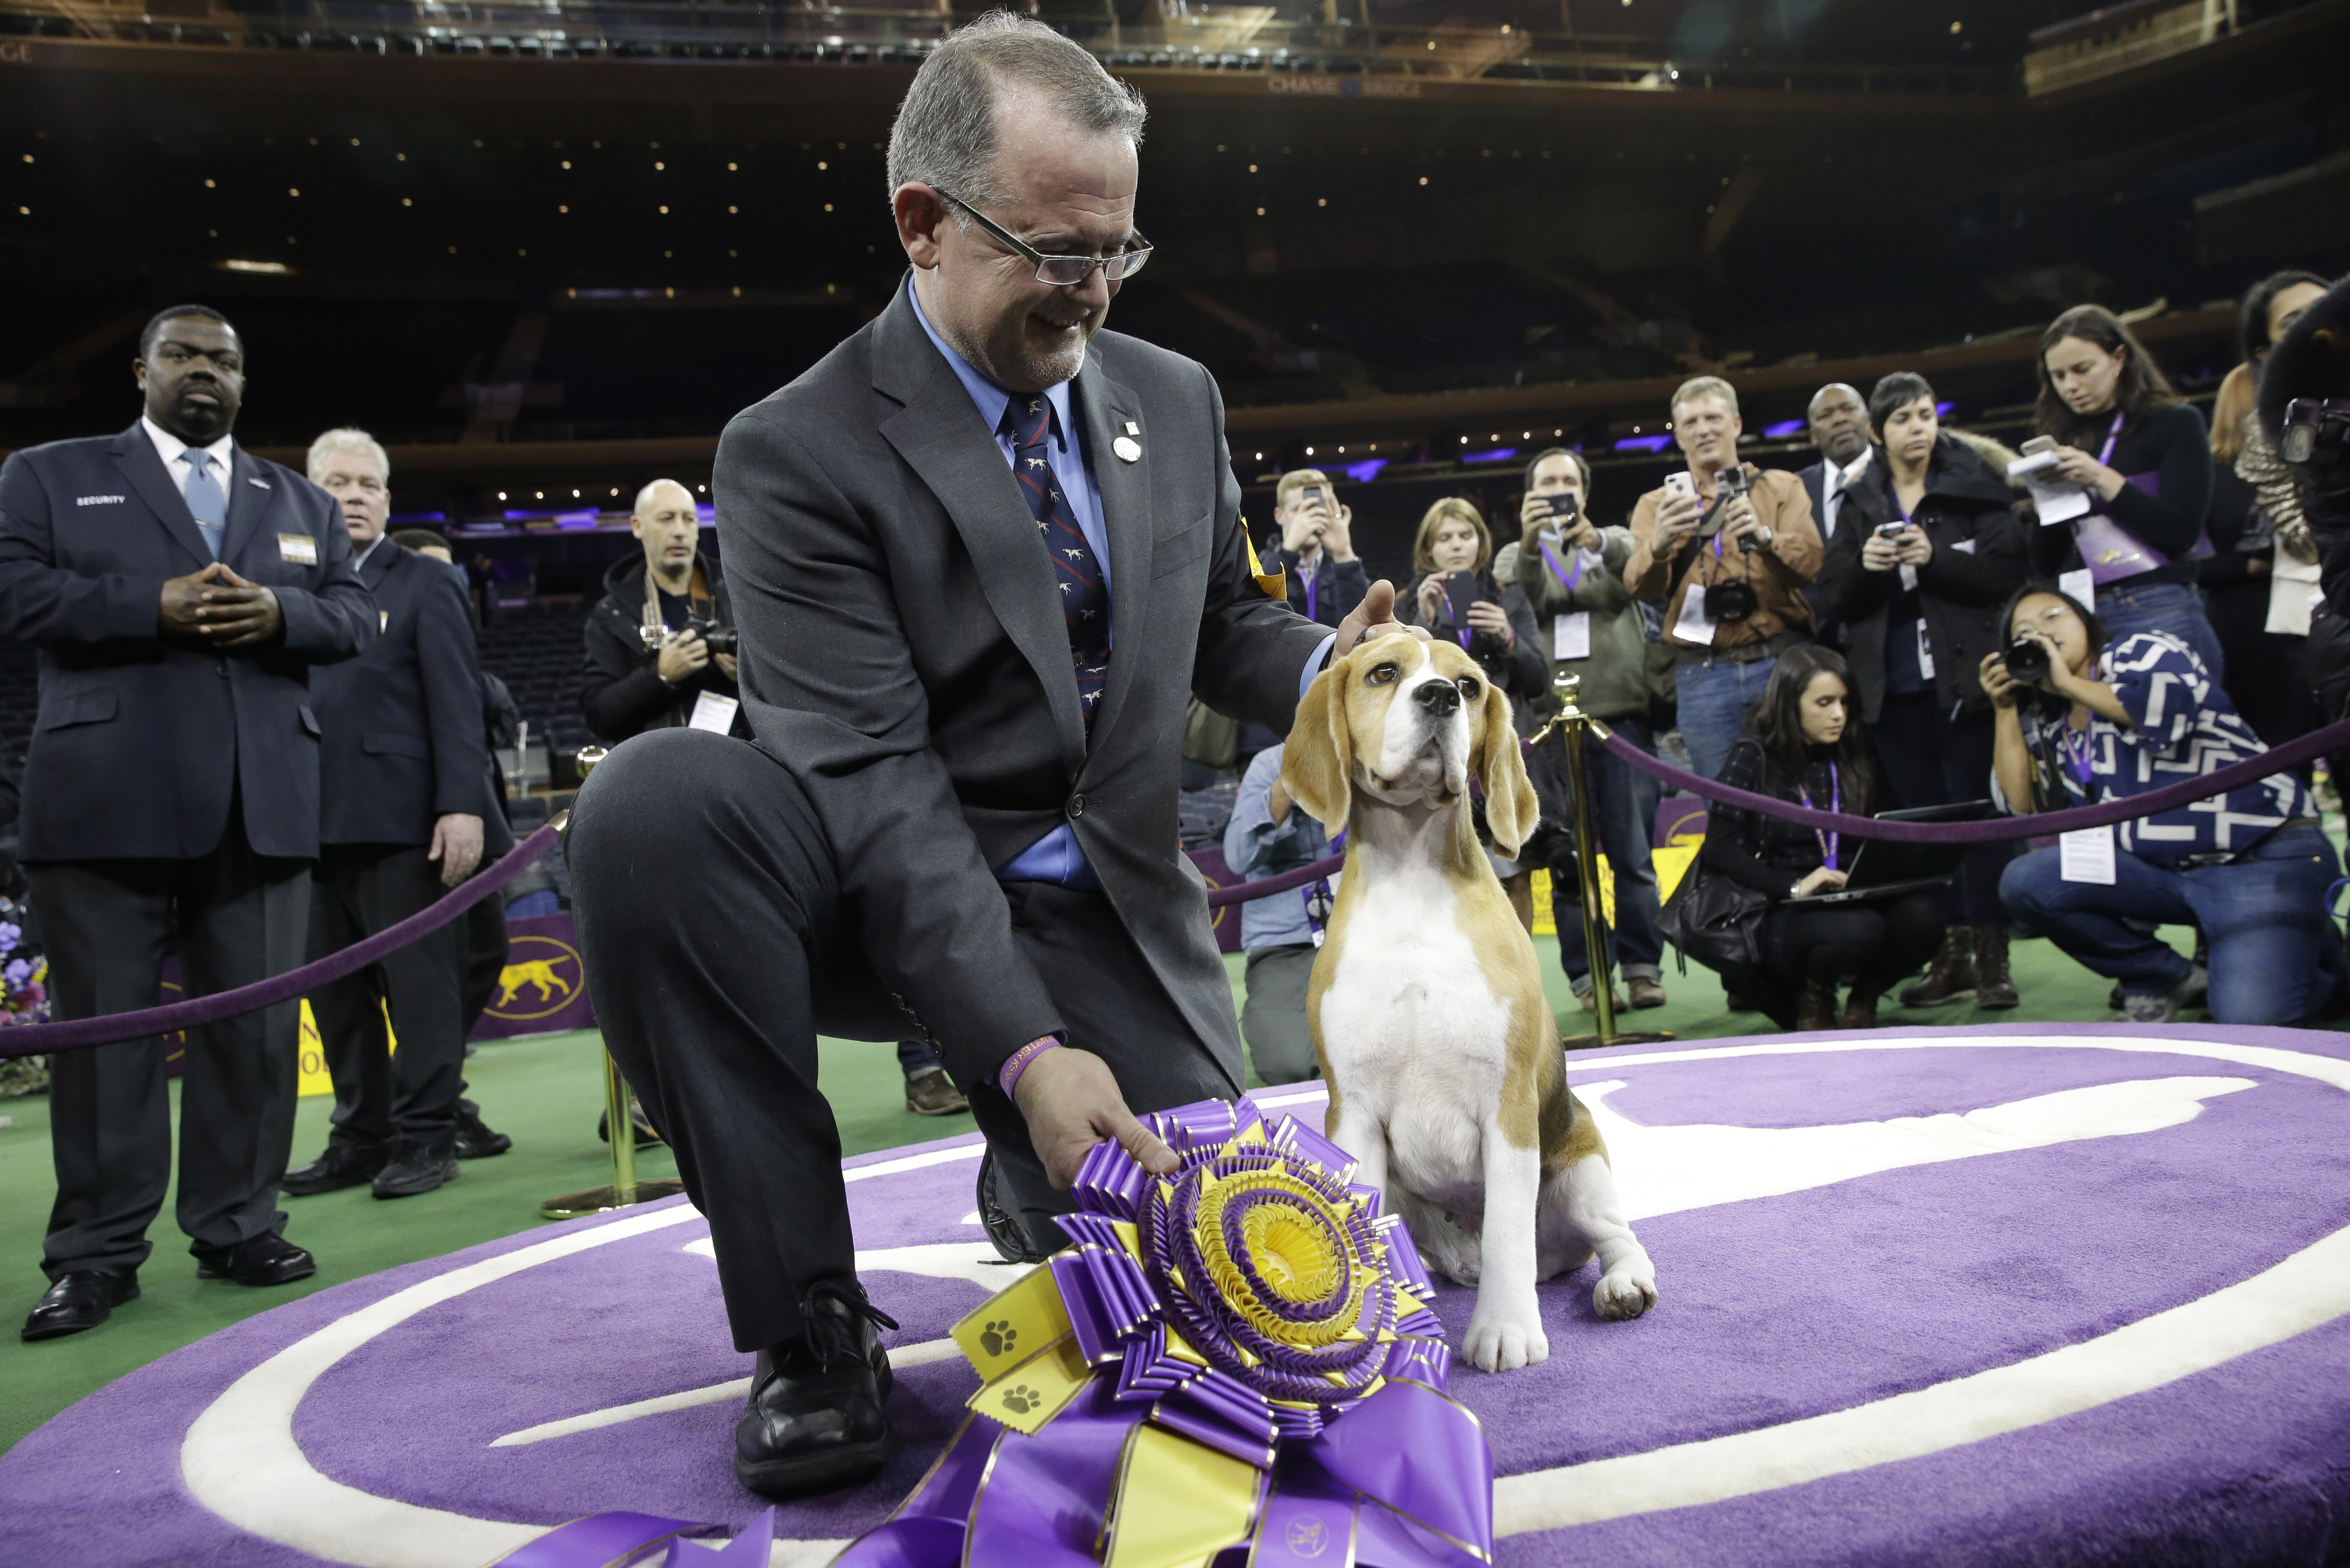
(960, 810)
(1838, 419)
(405, 816)
(179, 590)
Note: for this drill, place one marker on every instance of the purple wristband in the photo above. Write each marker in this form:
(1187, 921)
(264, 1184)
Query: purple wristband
(1019, 1061)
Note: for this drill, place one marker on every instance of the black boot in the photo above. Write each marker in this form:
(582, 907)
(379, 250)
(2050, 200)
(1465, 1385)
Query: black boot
(1994, 986)
(343, 1165)
(418, 1166)
(1952, 974)
(815, 1422)
(1815, 1008)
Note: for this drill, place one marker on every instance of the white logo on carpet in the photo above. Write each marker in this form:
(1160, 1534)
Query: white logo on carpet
(241, 1460)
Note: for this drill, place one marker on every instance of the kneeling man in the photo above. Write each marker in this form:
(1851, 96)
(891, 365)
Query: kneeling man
(980, 555)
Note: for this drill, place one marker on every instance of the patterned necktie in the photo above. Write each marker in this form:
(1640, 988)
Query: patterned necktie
(206, 499)
(1085, 597)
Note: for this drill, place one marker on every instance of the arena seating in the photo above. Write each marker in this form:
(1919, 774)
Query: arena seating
(537, 653)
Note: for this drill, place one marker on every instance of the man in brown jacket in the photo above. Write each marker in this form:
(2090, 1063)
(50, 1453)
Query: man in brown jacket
(1730, 572)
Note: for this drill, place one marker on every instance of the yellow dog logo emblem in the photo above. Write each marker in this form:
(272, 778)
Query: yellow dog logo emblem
(539, 972)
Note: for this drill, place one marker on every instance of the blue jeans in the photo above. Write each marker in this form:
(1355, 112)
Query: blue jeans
(916, 1058)
(1623, 818)
(2275, 956)
(2173, 607)
(1714, 697)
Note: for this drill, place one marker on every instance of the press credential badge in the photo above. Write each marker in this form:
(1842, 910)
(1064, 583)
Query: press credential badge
(297, 549)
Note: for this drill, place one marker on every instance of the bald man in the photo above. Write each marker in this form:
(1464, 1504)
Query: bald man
(661, 643)
(1838, 417)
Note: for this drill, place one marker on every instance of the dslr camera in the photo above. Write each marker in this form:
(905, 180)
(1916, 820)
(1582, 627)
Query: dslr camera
(719, 636)
(2026, 661)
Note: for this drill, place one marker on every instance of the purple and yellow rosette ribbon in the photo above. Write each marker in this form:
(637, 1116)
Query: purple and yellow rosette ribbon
(1236, 1359)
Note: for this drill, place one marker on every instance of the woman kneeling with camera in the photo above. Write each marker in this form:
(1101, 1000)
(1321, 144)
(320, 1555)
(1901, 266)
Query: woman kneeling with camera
(1803, 745)
(2077, 723)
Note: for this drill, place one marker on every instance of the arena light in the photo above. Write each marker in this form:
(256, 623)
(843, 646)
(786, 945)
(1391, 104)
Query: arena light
(274, 269)
(1363, 472)
(1644, 443)
(1499, 454)
(1784, 429)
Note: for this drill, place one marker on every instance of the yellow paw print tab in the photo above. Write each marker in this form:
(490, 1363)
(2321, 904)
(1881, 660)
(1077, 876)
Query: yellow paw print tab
(1040, 1389)
(1014, 1325)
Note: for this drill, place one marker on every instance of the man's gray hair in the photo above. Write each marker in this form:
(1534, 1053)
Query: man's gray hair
(347, 439)
(945, 133)
(1698, 386)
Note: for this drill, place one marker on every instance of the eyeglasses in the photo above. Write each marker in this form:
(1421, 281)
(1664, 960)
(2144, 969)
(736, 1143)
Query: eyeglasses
(1061, 272)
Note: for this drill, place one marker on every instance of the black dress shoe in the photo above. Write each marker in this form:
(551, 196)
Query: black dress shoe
(255, 1261)
(476, 1140)
(343, 1165)
(416, 1167)
(815, 1422)
(81, 1299)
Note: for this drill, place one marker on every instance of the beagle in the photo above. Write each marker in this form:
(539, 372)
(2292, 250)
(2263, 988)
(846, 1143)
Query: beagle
(1447, 1080)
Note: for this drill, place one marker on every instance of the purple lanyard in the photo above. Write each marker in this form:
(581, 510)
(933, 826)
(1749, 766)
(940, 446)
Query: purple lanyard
(1567, 580)
(1828, 841)
(2081, 750)
(1314, 591)
(1317, 896)
(2113, 437)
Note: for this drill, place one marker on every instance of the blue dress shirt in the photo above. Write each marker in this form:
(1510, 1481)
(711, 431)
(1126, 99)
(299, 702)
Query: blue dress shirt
(1055, 857)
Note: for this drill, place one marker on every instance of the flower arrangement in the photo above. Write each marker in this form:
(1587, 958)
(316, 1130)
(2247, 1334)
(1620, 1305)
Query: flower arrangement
(24, 999)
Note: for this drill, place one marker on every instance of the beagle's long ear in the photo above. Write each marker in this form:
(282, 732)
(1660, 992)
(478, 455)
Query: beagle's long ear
(1510, 808)
(1318, 762)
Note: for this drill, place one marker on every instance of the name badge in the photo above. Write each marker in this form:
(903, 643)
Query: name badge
(383, 620)
(300, 548)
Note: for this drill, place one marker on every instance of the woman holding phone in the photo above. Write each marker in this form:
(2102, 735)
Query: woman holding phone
(1454, 594)
(2086, 716)
(2144, 461)
(1930, 551)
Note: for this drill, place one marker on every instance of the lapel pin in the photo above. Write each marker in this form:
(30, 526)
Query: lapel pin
(1128, 448)
(1133, 429)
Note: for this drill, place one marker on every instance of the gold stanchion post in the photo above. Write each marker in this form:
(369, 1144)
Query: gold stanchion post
(1578, 726)
(619, 1124)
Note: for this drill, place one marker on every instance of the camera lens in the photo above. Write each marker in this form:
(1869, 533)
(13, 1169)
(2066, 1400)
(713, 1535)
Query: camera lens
(2026, 661)
(1729, 603)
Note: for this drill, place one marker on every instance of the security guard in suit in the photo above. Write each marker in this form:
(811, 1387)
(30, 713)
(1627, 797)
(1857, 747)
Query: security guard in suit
(179, 590)
(406, 814)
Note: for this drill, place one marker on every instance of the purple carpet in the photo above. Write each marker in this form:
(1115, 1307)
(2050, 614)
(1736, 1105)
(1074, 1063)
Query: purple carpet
(2029, 1294)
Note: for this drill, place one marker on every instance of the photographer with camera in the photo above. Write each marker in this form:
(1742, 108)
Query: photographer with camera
(1317, 548)
(1727, 548)
(1931, 550)
(1571, 572)
(661, 643)
(2082, 717)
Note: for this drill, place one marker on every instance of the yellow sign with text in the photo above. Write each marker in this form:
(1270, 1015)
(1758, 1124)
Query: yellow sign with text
(316, 1079)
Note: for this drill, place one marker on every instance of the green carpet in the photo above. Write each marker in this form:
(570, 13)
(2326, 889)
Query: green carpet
(546, 1092)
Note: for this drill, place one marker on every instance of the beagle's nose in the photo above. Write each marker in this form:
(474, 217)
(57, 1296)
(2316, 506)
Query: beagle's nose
(1441, 698)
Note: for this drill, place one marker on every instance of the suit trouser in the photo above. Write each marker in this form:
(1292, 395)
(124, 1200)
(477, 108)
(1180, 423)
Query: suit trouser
(235, 917)
(381, 1096)
(487, 948)
(717, 947)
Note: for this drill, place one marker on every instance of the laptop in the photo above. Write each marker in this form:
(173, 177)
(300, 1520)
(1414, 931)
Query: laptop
(1887, 868)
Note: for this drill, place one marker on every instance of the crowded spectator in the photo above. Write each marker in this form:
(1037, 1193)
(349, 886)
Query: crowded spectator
(1571, 572)
(1282, 931)
(2109, 717)
(406, 813)
(2141, 456)
(1839, 426)
(659, 644)
(1453, 593)
(1805, 747)
(179, 590)
(1728, 561)
(1931, 553)
(2261, 575)
(1316, 548)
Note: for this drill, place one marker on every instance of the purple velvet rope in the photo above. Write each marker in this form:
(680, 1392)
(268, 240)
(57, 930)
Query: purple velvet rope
(74, 1034)
(2039, 825)
(1243, 892)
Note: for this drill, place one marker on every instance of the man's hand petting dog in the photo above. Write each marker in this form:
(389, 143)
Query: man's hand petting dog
(1371, 620)
(1071, 1100)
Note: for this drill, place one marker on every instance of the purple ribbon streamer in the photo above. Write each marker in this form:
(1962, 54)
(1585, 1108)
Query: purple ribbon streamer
(2046, 823)
(107, 1029)
(598, 1540)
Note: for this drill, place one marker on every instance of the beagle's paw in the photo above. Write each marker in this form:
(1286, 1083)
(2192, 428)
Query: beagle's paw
(1499, 1342)
(1623, 1294)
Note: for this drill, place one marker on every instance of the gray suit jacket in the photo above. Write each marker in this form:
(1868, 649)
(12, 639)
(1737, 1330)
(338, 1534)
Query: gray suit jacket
(904, 655)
